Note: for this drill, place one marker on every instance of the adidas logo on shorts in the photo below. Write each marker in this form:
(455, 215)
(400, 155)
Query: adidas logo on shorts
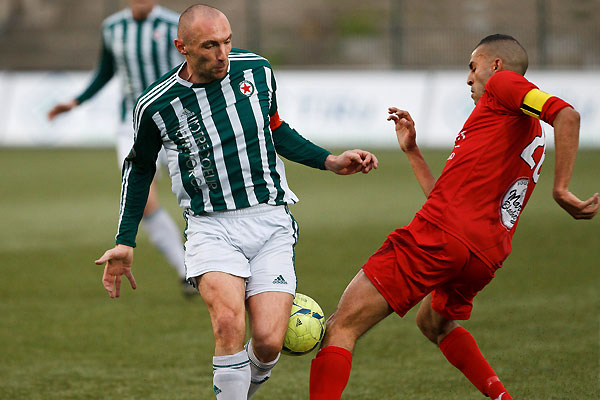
(279, 280)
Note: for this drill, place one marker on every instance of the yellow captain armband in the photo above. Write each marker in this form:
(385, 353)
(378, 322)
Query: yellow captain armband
(533, 102)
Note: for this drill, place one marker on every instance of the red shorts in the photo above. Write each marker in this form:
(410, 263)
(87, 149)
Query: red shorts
(420, 259)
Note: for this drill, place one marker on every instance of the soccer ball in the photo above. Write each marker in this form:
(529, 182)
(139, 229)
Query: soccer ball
(306, 326)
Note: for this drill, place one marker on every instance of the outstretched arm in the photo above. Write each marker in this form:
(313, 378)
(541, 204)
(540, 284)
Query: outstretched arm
(104, 73)
(566, 142)
(290, 144)
(407, 139)
(118, 262)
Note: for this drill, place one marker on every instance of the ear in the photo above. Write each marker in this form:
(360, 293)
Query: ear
(497, 65)
(180, 46)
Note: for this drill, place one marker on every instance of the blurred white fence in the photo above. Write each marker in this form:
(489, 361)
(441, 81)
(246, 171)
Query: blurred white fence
(332, 108)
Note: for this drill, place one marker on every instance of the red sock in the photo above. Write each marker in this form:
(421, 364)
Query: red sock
(329, 373)
(461, 350)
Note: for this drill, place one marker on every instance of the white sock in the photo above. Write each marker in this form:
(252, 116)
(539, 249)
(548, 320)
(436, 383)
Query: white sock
(165, 235)
(231, 376)
(260, 371)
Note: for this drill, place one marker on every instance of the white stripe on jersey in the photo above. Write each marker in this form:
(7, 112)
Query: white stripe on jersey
(146, 51)
(149, 97)
(131, 54)
(260, 125)
(161, 29)
(238, 133)
(124, 185)
(212, 132)
(119, 57)
(245, 56)
(195, 154)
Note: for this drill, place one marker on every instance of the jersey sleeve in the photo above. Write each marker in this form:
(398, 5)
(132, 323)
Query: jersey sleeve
(138, 171)
(542, 105)
(104, 73)
(293, 146)
(508, 89)
(289, 143)
(515, 93)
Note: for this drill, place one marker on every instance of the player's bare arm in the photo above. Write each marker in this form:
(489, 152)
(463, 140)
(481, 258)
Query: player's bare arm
(566, 139)
(118, 262)
(351, 162)
(407, 139)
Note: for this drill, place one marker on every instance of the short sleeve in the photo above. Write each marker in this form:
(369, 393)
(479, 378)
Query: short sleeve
(508, 89)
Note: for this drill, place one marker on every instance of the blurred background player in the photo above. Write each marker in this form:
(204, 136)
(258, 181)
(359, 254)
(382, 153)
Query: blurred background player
(462, 234)
(137, 46)
(217, 115)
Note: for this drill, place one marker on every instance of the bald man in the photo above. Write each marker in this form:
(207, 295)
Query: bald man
(462, 234)
(216, 117)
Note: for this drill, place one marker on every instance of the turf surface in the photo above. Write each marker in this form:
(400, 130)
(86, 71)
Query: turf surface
(61, 337)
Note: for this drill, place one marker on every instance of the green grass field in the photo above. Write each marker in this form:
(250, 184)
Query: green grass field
(61, 337)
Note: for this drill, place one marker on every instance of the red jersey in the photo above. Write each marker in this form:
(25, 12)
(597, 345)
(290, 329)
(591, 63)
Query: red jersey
(494, 167)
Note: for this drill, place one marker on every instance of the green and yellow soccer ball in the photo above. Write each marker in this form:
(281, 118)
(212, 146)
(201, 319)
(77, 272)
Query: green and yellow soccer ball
(306, 326)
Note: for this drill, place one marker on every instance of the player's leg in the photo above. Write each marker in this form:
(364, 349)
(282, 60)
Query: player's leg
(360, 308)
(268, 313)
(454, 301)
(224, 296)
(271, 286)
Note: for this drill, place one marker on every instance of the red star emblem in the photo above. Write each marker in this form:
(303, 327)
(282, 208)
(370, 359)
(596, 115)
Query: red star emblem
(246, 88)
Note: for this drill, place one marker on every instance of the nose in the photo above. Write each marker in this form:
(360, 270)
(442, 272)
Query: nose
(470, 79)
(222, 53)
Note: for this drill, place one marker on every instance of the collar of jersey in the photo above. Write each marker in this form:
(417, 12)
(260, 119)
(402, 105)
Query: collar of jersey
(189, 84)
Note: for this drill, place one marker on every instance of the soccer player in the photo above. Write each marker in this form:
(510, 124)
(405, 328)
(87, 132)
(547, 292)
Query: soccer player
(463, 232)
(217, 118)
(137, 47)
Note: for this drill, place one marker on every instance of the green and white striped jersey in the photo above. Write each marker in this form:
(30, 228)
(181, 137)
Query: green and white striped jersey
(139, 52)
(219, 143)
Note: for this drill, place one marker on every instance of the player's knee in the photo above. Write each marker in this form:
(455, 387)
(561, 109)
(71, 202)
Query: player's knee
(427, 327)
(228, 329)
(338, 327)
(267, 347)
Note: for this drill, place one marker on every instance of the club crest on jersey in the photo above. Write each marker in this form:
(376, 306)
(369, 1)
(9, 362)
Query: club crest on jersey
(246, 88)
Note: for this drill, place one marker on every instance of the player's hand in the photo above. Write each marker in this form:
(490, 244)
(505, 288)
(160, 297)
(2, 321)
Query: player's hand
(351, 162)
(118, 262)
(405, 128)
(62, 108)
(577, 208)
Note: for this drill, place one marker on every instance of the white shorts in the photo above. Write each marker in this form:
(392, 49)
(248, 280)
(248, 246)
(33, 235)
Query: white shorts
(255, 243)
(125, 143)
